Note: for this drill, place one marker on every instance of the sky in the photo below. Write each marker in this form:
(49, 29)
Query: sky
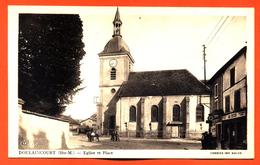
(159, 38)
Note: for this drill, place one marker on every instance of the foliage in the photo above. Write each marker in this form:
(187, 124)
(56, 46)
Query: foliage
(50, 50)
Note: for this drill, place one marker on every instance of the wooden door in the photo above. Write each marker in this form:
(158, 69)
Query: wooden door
(175, 131)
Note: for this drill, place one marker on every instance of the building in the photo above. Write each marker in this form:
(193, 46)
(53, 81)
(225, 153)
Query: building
(227, 119)
(90, 122)
(164, 104)
(74, 124)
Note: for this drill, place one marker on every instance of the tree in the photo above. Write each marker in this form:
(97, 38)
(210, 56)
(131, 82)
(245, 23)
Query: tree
(50, 50)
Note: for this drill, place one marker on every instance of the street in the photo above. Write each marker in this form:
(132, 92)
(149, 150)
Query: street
(81, 142)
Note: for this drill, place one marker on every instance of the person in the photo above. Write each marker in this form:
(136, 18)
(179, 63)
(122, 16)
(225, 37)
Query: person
(205, 140)
(211, 142)
(116, 135)
(92, 135)
(112, 135)
(88, 135)
(97, 134)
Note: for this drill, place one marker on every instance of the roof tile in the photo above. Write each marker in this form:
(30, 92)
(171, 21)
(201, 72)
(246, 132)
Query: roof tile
(162, 83)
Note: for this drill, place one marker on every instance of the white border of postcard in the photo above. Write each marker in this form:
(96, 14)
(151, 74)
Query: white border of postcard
(13, 12)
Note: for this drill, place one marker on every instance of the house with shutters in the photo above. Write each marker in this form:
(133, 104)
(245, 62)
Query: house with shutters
(228, 113)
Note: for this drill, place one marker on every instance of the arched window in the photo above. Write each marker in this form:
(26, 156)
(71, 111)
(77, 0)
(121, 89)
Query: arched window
(176, 114)
(113, 74)
(132, 114)
(154, 113)
(199, 113)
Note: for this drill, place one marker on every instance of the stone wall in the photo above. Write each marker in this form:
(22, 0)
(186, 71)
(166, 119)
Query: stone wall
(37, 131)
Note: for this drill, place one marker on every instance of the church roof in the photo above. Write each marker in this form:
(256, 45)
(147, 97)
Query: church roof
(115, 45)
(162, 83)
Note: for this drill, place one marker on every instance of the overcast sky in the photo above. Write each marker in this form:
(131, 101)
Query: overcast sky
(158, 38)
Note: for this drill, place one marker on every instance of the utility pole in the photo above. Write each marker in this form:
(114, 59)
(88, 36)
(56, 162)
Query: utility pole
(204, 60)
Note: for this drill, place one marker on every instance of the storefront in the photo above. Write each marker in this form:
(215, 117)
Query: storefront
(234, 134)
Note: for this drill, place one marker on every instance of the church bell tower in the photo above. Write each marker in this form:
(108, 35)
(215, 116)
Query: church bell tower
(117, 24)
(115, 65)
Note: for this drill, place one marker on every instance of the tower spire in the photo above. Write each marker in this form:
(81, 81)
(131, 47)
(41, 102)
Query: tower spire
(117, 24)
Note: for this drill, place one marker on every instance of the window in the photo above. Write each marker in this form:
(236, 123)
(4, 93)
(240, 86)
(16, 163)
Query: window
(237, 100)
(216, 104)
(227, 104)
(154, 113)
(113, 74)
(232, 77)
(216, 91)
(200, 113)
(132, 114)
(176, 115)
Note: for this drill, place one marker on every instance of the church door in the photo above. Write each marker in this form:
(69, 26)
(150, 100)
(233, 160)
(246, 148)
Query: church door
(175, 131)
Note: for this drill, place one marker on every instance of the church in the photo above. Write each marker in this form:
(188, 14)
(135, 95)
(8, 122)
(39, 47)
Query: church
(149, 104)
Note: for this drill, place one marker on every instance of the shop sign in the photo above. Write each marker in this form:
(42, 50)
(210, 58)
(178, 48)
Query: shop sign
(234, 115)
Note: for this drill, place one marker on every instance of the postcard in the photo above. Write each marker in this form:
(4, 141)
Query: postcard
(130, 82)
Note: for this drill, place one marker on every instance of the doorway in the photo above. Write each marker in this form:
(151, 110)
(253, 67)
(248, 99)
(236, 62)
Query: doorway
(175, 131)
(218, 132)
(112, 123)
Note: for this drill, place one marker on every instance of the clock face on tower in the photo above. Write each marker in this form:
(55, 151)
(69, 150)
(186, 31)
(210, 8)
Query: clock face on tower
(113, 62)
